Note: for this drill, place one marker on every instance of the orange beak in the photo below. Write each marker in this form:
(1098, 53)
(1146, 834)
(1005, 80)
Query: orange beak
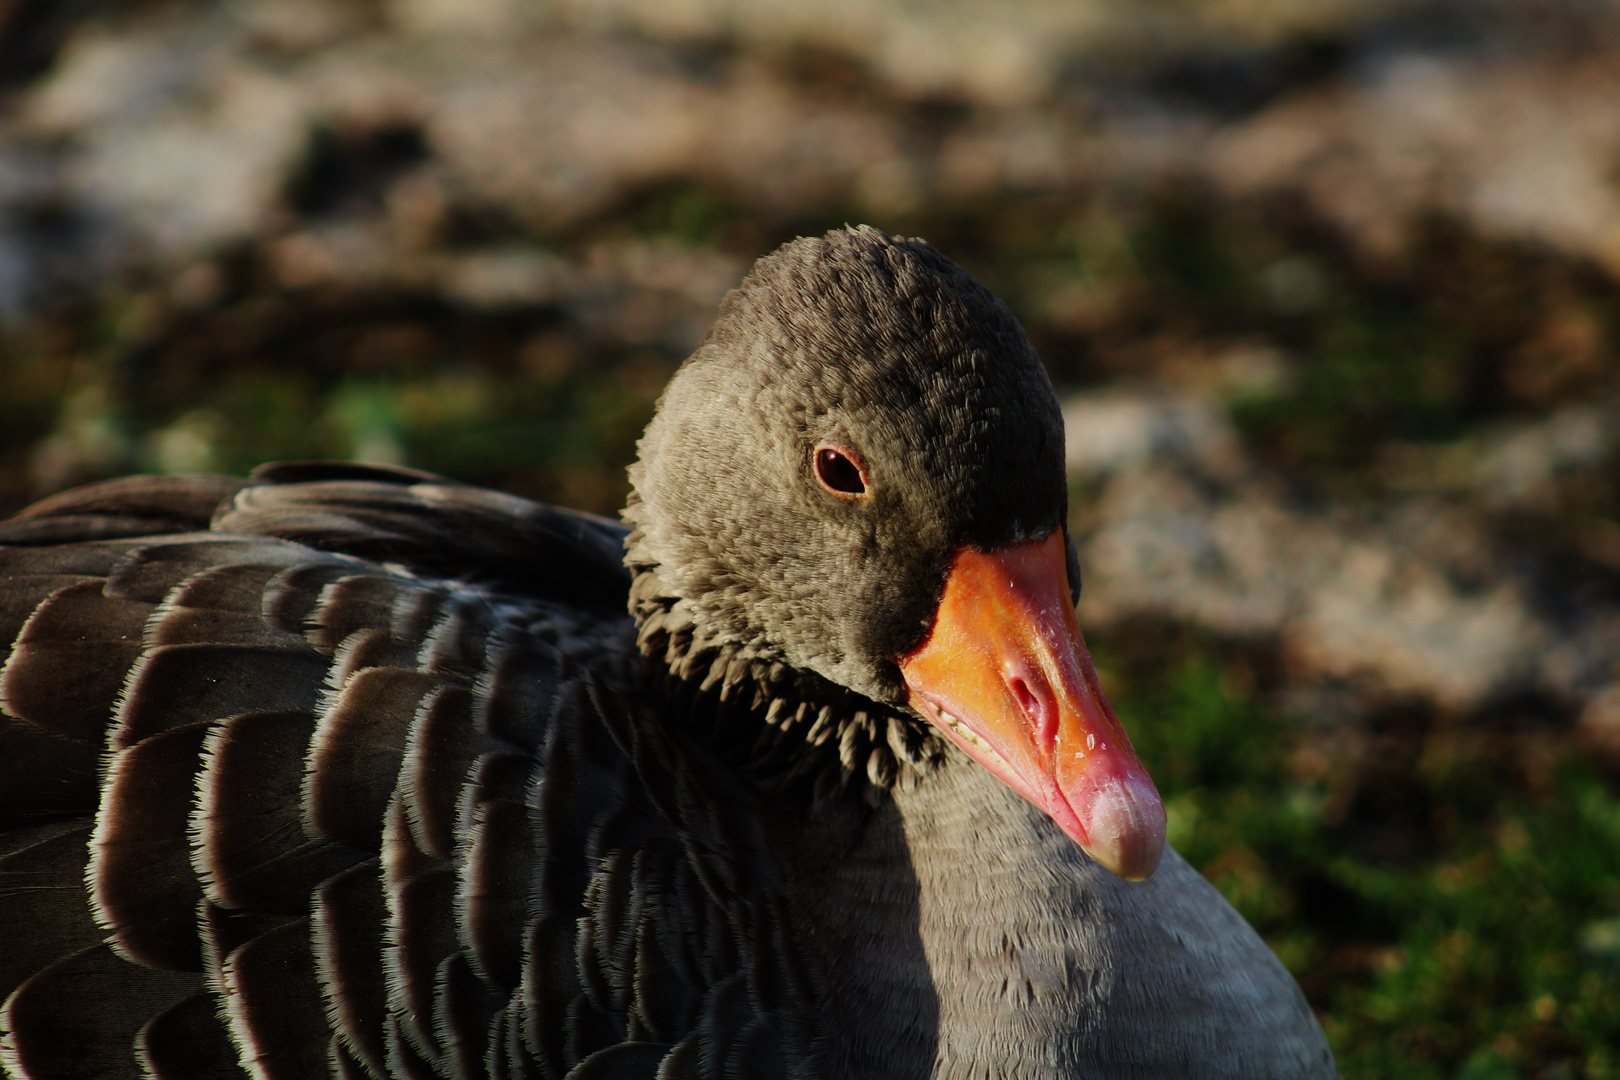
(1006, 675)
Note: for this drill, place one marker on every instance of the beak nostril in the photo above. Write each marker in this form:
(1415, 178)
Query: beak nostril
(1026, 700)
(1041, 712)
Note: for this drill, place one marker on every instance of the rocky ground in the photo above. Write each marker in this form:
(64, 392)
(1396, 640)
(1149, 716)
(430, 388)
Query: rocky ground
(1332, 292)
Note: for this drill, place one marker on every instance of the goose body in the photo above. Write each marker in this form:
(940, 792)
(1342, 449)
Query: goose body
(362, 772)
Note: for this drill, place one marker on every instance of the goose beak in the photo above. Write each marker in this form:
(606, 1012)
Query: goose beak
(1006, 675)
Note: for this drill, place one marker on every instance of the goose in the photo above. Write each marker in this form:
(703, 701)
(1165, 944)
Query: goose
(802, 771)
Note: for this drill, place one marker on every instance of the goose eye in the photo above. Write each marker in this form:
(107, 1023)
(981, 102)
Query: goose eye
(839, 472)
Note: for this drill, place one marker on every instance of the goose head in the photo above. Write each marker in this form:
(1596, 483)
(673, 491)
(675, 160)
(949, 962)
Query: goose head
(859, 476)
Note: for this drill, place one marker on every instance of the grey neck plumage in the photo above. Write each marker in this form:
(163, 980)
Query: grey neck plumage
(780, 725)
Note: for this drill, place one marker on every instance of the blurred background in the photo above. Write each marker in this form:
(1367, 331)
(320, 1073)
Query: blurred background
(1331, 291)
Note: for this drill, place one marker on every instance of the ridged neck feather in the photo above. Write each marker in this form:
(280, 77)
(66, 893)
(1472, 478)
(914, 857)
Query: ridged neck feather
(784, 726)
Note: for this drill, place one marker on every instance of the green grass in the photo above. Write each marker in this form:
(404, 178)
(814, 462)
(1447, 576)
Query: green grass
(1478, 939)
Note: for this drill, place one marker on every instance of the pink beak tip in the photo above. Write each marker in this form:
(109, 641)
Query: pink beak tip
(1124, 822)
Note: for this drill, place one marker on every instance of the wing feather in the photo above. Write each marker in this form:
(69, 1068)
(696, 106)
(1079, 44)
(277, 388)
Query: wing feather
(140, 875)
(80, 1017)
(188, 1041)
(355, 757)
(42, 888)
(273, 1005)
(71, 660)
(249, 844)
(175, 685)
(348, 919)
(42, 775)
(442, 748)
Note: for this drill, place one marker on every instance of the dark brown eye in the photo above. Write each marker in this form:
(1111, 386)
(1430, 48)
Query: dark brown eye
(839, 472)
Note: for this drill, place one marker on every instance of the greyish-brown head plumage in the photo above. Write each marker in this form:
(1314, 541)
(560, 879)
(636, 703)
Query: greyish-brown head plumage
(884, 347)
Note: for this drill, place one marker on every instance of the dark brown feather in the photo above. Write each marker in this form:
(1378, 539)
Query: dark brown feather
(438, 527)
(293, 596)
(464, 1009)
(374, 648)
(140, 874)
(170, 503)
(151, 571)
(508, 1056)
(222, 606)
(188, 1041)
(71, 660)
(342, 1064)
(249, 842)
(274, 1005)
(79, 1018)
(68, 559)
(404, 1062)
(456, 647)
(42, 888)
(520, 691)
(421, 936)
(42, 775)
(442, 749)
(348, 917)
(627, 1061)
(361, 602)
(356, 754)
(495, 889)
(175, 685)
(22, 591)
